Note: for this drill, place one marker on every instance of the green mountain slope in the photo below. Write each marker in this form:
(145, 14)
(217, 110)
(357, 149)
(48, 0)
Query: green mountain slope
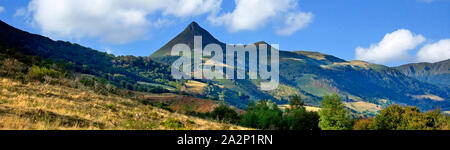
(123, 71)
(313, 75)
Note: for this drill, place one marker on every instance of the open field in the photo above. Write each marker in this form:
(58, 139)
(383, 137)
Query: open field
(361, 106)
(44, 106)
(308, 108)
(195, 87)
(312, 108)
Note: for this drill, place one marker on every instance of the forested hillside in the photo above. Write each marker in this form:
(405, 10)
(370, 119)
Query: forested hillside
(314, 75)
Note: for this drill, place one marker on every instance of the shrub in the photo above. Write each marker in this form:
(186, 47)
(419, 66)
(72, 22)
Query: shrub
(363, 124)
(87, 82)
(37, 73)
(224, 113)
(111, 107)
(173, 124)
(158, 89)
(397, 117)
(11, 67)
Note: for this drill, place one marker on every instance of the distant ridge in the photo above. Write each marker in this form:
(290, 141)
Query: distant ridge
(313, 75)
(436, 73)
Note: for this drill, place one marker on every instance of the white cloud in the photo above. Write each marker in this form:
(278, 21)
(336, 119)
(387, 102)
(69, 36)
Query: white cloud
(435, 52)
(393, 47)
(118, 21)
(2, 9)
(114, 21)
(185, 8)
(21, 12)
(295, 22)
(253, 14)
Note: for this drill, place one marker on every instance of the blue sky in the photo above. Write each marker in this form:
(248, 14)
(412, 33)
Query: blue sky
(389, 32)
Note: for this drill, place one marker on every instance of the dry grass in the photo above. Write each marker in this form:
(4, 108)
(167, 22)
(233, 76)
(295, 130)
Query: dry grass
(195, 87)
(352, 63)
(312, 108)
(308, 108)
(38, 106)
(285, 92)
(184, 104)
(294, 59)
(361, 106)
(314, 55)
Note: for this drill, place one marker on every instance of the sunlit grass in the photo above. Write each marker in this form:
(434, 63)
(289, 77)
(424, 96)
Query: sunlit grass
(39, 106)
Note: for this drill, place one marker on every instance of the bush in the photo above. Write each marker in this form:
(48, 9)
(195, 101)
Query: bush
(173, 124)
(11, 67)
(37, 73)
(363, 124)
(224, 113)
(111, 107)
(397, 117)
(87, 82)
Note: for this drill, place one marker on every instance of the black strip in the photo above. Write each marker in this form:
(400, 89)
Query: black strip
(169, 139)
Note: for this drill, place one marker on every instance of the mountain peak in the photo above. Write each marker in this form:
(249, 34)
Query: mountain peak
(187, 37)
(194, 25)
(195, 29)
(261, 42)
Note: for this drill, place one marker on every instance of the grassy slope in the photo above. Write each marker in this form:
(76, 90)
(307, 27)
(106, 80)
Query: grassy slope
(45, 106)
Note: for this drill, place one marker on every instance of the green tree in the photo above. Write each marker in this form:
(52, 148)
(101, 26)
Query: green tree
(224, 113)
(396, 117)
(263, 115)
(390, 118)
(334, 115)
(250, 119)
(296, 102)
(300, 119)
(297, 118)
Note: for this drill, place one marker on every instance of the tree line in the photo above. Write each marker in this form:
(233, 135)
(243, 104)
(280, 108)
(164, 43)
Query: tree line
(333, 115)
